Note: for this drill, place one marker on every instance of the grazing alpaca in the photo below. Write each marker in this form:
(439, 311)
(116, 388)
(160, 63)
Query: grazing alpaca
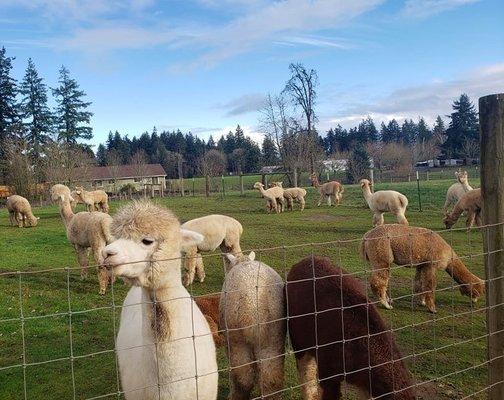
(274, 197)
(469, 202)
(20, 212)
(419, 248)
(85, 231)
(328, 190)
(209, 306)
(218, 231)
(337, 335)
(384, 201)
(252, 315)
(164, 344)
(455, 191)
(292, 194)
(94, 200)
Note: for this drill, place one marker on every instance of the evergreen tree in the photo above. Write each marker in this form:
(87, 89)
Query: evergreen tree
(34, 109)
(409, 132)
(424, 133)
(269, 151)
(367, 131)
(358, 164)
(101, 155)
(72, 119)
(439, 129)
(210, 143)
(393, 132)
(8, 92)
(463, 127)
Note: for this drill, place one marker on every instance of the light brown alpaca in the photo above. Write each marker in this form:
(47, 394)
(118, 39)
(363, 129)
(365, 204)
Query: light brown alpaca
(296, 194)
(457, 190)
(470, 202)
(20, 212)
(209, 306)
(274, 197)
(94, 200)
(384, 201)
(419, 248)
(328, 190)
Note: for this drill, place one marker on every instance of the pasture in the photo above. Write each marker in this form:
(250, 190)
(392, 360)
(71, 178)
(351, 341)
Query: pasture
(68, 330)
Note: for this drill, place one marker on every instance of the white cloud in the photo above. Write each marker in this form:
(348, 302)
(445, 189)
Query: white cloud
(244, 104)
(427, 100)
(316, 41)
(426, 8)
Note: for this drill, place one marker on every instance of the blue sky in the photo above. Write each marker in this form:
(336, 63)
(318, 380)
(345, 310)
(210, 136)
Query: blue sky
(206, 65)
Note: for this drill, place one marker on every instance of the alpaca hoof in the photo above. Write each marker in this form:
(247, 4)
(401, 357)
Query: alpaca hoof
(388, 306)
(432, 310)
(422, 303)
(101, 292)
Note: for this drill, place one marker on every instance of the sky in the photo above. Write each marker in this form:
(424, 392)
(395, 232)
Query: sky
(206, 65)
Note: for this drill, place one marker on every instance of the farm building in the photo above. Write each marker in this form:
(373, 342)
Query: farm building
(112, 178)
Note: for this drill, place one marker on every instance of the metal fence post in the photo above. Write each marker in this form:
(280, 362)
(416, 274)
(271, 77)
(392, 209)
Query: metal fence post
(242, 191)
(491, 114)
(223, 188)
(418, 189)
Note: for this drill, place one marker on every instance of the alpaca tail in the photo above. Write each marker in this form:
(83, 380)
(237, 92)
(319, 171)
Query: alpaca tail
(403, 201)
(342, 189)
(362, 251)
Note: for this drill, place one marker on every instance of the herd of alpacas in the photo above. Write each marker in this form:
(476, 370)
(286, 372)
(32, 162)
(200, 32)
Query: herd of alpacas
(166, 342)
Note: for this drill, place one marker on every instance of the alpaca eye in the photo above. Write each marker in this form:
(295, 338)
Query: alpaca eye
(147, 242)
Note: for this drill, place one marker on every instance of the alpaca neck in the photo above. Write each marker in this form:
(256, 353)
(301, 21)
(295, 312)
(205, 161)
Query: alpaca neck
(261, 189)
(316, 183)
(466, 186)
(66, 212)
(459, 272)
(366, 191)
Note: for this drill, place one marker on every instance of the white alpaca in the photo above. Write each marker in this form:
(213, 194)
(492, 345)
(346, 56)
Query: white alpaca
(218, 231)
(164, 344)
(252, 315)
(384, 201)
(274, 197)
(457, 190)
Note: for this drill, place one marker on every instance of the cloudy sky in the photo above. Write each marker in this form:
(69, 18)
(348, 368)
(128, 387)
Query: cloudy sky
(206, 65)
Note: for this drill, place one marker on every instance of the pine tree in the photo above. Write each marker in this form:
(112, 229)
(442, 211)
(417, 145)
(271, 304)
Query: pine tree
(393, 133)
(439, 129)
(409, 132)
(101, 155)
(71, 115)
(210, 143)
(424, 133)
(8, 92)
(367, 131)
(464, 127)
(269, 151)
(358, 164)
(34, 110)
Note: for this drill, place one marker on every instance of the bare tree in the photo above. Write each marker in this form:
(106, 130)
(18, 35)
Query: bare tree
(66, 163)
(471, 148)
(274, 121)
(301, 89)
(113, 166)
(19, 170)
(212, 163)
(139, 162)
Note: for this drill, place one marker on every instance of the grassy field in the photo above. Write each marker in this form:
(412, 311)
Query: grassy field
(448, 345)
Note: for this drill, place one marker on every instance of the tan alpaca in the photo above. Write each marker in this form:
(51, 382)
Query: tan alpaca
(209, 306)
(94, 200)
(384, 201)
(419, 248)
(328, 190)
(274, 197)
(20, 212)
(85, 231)
(470, 202)
(252, 315)
(296, 194)
(457, 190)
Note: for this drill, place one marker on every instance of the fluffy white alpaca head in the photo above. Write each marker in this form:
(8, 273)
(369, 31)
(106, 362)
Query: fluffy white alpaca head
(148, 245)
(258, 185)
(61, 193)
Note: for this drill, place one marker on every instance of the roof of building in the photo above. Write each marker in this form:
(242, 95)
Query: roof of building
(124, 171)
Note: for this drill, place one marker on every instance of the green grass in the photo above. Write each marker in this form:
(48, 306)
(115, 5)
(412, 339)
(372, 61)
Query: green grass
(437, 346)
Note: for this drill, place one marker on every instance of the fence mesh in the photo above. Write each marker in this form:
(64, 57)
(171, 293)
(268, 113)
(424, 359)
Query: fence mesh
(71, 351)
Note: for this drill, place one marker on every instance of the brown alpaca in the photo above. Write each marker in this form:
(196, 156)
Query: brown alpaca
(328, 190)
(209, 306)
(345, 340)
(422, 249)
(470, 202)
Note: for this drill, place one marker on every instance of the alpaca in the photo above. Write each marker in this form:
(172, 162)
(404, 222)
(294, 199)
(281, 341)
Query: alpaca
(20, 212)
(470, 202)
(164, 344)
(455, 191)
(218, 231)
(252, 315)
(292, 194)
(209, 306)
(384, 201)
(94, 200)
(336, 335)
(75, 199)
(274, 197)
(85, 231)
(328, 190)
(422, 249)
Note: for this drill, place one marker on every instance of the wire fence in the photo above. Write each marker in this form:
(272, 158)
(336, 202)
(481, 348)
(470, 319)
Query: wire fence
(332, 326)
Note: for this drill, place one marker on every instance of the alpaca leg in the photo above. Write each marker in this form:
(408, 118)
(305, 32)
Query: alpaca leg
(19, 220)
(379, 283)
(190, 267)
(401, 219)
(302, 201)
(200, 268)
(308, 377)
(271, 372)
(103, 278)
(378, 219)
(243, 372)
(82, 258)
(320, 200)
(11, 218)
(479, 222)
(429, 281)
(471, 216)
(418, 285)
(329, 200)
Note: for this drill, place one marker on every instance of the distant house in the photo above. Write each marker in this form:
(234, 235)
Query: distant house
(270, 169)
(331, 165)
(112, 178)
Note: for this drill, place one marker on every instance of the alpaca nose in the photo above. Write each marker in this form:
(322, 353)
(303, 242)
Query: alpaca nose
(107, 252)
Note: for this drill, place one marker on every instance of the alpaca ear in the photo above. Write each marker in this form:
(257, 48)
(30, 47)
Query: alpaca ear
(38, 217)
(190, 238)
(251, 256)
(231, 258)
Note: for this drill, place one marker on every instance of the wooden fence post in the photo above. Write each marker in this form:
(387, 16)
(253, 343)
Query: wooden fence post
(491, 114)
(241, 185)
